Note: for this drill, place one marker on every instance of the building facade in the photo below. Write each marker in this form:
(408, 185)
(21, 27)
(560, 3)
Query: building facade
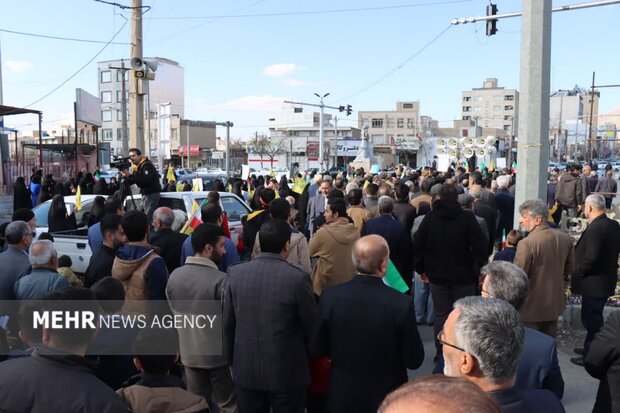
(396, 124)
(168, 87)
(492, 106)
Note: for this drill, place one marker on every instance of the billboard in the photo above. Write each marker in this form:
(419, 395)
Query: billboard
(88, 108)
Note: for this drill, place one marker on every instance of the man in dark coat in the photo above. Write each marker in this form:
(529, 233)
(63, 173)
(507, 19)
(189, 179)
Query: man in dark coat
(168, 241)
(395, 234)
(505, 205)
(449, 251)
(482, 341)
(596, 258)
(14, 262)
(39, 383)
(603, 362)
(486, 212)
(269, 315)
(253, 222)
(369, 331)
(101, 261)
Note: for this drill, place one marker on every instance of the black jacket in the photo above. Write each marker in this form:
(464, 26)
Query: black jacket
(146, 177)
(596, 255)
(603, 362)
(100, 265)
(449, 246)
(405, 213)
(52, 381)
(169, 243)
(251, 225)
(514, 400)
(369, 331)
(489, 214)
(397, 236)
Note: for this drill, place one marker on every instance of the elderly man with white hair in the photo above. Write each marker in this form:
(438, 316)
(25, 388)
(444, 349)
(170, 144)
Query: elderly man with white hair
(596, 255)
(505, 205)
(44, 278)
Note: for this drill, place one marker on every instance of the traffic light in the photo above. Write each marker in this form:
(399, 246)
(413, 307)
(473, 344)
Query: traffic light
(341, 108)
(492, 23)
(349, 110)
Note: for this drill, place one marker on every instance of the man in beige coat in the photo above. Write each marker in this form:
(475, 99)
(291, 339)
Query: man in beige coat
(546, 256)
(332, 245)
(298, 255)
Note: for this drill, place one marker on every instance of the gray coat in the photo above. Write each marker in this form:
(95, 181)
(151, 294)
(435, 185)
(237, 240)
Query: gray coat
(269, 315)
(198, 283)
(14, 264)
(608, 185)
(39, 283)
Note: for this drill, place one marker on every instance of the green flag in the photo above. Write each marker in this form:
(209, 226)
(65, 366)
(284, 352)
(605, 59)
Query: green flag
(394, 279)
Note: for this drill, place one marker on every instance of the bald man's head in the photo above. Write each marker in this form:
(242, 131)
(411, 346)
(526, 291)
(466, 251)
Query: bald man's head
(371, 255)
(163, 217)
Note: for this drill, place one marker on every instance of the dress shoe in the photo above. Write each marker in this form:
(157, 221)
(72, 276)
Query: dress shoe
(579, 350)
(577, 360)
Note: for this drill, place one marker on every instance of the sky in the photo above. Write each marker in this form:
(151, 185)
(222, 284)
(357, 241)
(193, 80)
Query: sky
(242, 58)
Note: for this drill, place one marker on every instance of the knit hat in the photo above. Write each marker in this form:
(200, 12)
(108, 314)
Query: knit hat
(22, 214)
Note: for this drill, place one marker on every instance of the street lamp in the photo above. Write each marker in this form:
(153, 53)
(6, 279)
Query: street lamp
(321, 155)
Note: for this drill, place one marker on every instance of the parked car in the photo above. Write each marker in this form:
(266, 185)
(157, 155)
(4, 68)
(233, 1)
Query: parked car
(181, 172)
(74, 243)
(207, 180)
(109, 174)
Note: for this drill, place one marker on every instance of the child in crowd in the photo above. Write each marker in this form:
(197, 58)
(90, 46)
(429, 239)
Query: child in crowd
(154, 389)
(508, 253)
(64, 269)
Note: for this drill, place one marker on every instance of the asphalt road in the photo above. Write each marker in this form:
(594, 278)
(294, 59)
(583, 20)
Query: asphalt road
(579, 388)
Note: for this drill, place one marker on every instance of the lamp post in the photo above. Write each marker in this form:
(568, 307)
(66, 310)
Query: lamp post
(321, 154)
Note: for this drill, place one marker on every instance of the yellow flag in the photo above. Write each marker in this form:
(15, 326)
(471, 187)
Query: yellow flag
(299, 185)
(552, 212)
(170, 174)
(492, 166)
(78, 198)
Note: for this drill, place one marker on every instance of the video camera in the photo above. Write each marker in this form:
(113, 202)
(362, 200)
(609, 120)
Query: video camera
(121, 163)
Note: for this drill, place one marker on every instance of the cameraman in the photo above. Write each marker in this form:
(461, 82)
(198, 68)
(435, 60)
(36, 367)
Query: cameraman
(144, 174)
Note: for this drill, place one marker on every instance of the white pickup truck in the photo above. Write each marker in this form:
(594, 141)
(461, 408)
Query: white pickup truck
(75, 243)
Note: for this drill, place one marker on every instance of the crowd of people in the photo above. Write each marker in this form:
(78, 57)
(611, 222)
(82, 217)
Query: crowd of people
(310, 321)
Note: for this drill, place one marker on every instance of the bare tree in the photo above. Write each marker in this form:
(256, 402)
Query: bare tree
(262, 145)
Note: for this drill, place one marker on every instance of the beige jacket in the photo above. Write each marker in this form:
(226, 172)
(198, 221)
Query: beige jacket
(359, 216)
(142, 399)
(332, 245)
(298, 254)
(546, 256)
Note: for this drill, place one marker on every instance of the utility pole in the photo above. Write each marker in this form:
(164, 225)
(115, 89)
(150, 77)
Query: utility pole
(533, 146)
(336, 138)
(590, 150)
(559, 135)
(228, 125)
(124, 136)
(136, 98)
(321, 105)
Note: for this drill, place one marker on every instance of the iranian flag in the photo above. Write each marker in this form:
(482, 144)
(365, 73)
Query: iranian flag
(195, 218)
(503, 238)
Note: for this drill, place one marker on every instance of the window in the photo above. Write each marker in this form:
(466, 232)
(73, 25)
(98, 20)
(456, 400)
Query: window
(106, 134)
(476, 109)
(407, 105)
(466, 117)
(410, 123)
(466, 99)
(506, 117)
(234, 209)
(119, 134)
(497, 108)
(106, 97)
(298, 110)
(376, 123)
(497, 97)
(106, 77)
(508, 107)
(119, 75)
(509, 97)
(400, 123)
(376, 139)
(477, 98)
(106, 116)
(506, 127)
(466, 108)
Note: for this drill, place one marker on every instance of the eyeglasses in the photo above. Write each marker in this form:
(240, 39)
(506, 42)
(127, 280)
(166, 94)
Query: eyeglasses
(441, 341)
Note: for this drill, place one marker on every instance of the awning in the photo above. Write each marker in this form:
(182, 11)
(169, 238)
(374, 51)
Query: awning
(12, 110)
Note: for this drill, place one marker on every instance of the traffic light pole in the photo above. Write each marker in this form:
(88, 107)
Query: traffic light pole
(322, 106)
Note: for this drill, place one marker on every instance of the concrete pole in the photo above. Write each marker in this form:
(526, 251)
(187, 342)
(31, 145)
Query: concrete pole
(533, 145)
(124, 131)
(228, 125)
(136, 99)
(321, 154)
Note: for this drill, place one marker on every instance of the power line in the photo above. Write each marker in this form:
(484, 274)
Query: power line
(211, 19)
(80, 69)
(123, 7)
(71, 39)
(397, 68)
(310, 12)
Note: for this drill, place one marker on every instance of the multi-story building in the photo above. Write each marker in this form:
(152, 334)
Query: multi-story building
(384, 125)
(168, 87)
(492, 106)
